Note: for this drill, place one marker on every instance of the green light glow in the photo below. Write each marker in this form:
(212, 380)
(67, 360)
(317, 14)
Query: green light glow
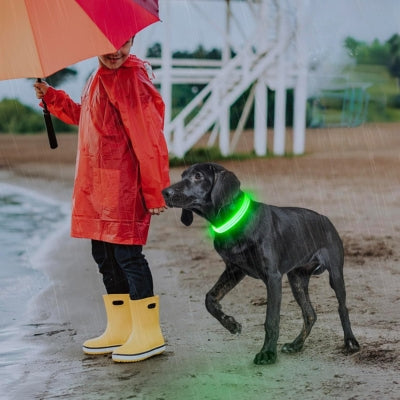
(235, 218)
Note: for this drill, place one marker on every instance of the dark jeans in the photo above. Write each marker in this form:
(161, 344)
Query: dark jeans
(124, 269)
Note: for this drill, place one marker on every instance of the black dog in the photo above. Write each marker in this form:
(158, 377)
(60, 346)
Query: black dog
(264, 242)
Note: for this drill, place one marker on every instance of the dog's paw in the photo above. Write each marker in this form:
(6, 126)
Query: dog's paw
(265, 358)
(292, 347)
(351, 345)
(232, 325)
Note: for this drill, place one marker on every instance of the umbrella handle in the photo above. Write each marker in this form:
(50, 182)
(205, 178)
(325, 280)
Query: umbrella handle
(49, 125)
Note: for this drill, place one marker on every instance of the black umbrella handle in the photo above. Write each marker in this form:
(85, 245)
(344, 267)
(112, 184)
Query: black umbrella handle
(49, 125)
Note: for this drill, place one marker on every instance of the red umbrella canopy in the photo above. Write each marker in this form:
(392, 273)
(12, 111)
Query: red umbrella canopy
(40, 37)
(122, 19)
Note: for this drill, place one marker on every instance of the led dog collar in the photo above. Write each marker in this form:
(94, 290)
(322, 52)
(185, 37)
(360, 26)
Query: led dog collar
(232, 221)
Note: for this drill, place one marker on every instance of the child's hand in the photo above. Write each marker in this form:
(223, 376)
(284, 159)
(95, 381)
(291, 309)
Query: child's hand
(40, 89)
(157, 211)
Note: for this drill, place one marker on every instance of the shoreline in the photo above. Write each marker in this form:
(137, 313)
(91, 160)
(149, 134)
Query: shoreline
(16, 335)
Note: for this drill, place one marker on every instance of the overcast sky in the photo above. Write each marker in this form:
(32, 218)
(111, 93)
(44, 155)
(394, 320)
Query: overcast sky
(195, 22)
(330, 19)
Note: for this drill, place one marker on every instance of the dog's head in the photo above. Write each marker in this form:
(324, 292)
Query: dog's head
(204, 189)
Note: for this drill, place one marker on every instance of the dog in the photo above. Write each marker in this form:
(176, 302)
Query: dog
(264, 242)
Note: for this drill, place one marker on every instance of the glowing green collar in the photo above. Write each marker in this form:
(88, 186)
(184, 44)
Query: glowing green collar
(232, 221)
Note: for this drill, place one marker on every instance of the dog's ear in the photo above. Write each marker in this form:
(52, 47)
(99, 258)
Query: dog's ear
(186, 217)
(225, 188)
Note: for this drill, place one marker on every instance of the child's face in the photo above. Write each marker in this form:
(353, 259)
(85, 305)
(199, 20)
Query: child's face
(115, 60)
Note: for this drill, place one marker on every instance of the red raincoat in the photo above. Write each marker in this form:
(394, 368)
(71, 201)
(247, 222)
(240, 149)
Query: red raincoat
(122, 162)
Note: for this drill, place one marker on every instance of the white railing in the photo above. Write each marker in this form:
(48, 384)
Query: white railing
(231, 81)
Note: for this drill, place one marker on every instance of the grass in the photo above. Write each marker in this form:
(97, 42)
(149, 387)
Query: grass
(213, 154)
(210, 154)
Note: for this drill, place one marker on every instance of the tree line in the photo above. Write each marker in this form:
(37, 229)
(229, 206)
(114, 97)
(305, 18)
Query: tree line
(376, 53)
(16, 117)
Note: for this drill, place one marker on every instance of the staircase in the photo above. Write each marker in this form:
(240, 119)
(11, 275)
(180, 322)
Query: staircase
(257, 59)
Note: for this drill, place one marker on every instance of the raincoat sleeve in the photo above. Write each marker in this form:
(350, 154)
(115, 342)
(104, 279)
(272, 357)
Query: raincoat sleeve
(142, 113)
(62, 106)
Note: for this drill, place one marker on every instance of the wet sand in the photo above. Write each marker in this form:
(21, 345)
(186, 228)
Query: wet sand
(350, 175)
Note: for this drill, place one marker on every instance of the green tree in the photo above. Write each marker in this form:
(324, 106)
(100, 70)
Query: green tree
(375, 53)
(394, 59)
(352, 46)
(199, 53)
(154, 51)
(16, 117)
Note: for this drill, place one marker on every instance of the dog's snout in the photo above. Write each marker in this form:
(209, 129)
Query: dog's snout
(167, 192)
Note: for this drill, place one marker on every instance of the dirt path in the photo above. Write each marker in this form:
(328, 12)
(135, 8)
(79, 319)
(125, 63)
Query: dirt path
(352, 176)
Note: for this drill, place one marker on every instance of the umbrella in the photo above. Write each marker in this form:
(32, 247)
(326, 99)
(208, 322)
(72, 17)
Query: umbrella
(40, 37)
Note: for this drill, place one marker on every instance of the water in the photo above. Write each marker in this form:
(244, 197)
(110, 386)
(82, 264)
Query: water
(27, 221)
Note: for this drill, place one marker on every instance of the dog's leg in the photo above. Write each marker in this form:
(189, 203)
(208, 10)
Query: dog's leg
(337, 284)
(299, 280)
(267, 355)
(226, 282)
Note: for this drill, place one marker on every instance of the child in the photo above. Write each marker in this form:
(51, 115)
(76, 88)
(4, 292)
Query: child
(121, 168)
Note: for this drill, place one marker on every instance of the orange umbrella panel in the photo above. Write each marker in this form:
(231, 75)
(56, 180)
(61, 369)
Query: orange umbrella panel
(40, 37)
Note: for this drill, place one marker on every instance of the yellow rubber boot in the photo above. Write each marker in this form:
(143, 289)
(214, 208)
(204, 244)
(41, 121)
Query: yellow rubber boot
(146, 339)
(119, 326)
